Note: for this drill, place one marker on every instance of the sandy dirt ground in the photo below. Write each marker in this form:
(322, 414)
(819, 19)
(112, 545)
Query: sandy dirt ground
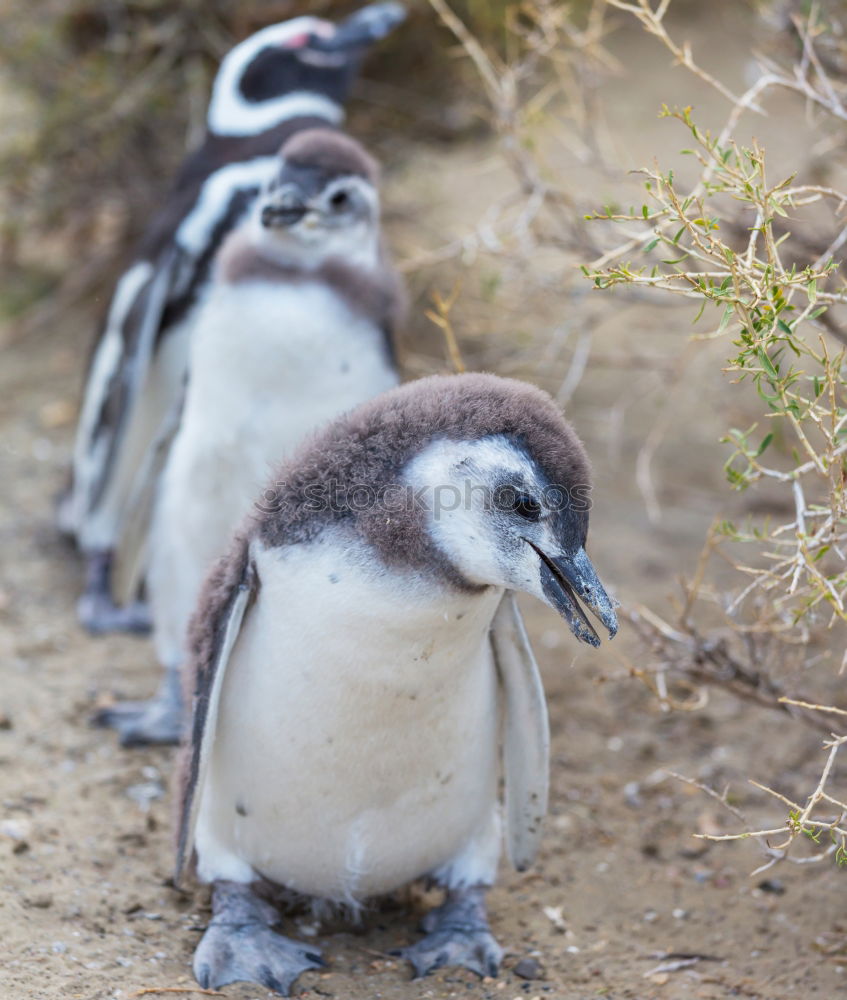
(623, 903)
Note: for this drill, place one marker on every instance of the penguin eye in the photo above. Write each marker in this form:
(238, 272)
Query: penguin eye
(514, 501)
(527, 507)
(339, 201)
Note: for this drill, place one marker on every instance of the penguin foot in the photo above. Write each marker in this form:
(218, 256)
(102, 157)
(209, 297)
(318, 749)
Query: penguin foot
(98, 614)
(240, 946)
(96, 611)
(147, 723)
(142, 723)
(457, 934)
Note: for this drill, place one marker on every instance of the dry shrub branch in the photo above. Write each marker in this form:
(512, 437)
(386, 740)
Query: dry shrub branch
(742, 242)
(725, 243)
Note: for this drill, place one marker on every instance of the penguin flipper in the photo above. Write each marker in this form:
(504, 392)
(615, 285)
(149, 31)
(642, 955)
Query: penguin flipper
(526, 736)
(130, 557)
(217, 623)
(116, 379)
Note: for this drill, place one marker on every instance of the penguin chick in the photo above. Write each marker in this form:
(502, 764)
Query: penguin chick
(284, 78)
(296, 328)
(353, 655)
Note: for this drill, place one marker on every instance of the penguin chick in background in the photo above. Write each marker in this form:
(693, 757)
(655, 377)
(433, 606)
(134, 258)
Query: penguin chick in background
(353, 656)
(296, 329)
(284, 78)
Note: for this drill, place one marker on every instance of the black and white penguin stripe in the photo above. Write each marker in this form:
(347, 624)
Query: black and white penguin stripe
(282, 79)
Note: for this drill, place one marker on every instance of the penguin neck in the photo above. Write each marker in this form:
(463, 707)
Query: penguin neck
(232, 116)
(357, 248)
(406, 608)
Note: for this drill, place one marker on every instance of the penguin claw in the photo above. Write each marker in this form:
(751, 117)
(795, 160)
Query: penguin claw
(141, 723)
(473, 949)
(252, 953)
(146, 723)
(458, 935)
(99, 615)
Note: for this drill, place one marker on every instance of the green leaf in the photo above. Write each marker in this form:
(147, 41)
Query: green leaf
(766, 440)
(767, 364)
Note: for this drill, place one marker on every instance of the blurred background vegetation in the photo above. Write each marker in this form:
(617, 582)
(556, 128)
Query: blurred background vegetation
(102, 98)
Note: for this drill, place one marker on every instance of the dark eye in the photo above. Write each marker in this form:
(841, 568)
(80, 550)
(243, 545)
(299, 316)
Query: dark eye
(527, 507)
(339, 201)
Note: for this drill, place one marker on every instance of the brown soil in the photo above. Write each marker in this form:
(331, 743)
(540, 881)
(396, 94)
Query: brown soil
(85, 845)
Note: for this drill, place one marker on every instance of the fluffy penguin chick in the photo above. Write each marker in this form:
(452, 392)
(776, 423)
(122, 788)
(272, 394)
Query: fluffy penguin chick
(295, 330)
(353, 656)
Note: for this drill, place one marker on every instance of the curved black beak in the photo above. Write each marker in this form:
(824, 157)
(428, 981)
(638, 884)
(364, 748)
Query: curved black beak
(569, 580)
(362, 28)
(280, 215)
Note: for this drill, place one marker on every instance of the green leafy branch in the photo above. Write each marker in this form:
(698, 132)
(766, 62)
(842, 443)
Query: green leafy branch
(765, 305)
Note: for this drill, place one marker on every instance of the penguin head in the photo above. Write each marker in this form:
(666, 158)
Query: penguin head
(303, 66)
(504, 519)
(323, 202)
(470, 480)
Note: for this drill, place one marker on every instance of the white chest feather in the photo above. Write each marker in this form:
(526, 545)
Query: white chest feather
(356, 746)
(269, 364)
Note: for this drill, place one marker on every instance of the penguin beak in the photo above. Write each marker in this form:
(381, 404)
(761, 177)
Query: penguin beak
(362, 28)
(568, 580)
(279, 215)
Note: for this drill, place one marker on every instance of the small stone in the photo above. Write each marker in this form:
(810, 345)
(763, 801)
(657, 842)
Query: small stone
(145, 792)
(632, 794)
(42, 901)
(554, 915)
(772, 885)
(16, 829)
(528, 968)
